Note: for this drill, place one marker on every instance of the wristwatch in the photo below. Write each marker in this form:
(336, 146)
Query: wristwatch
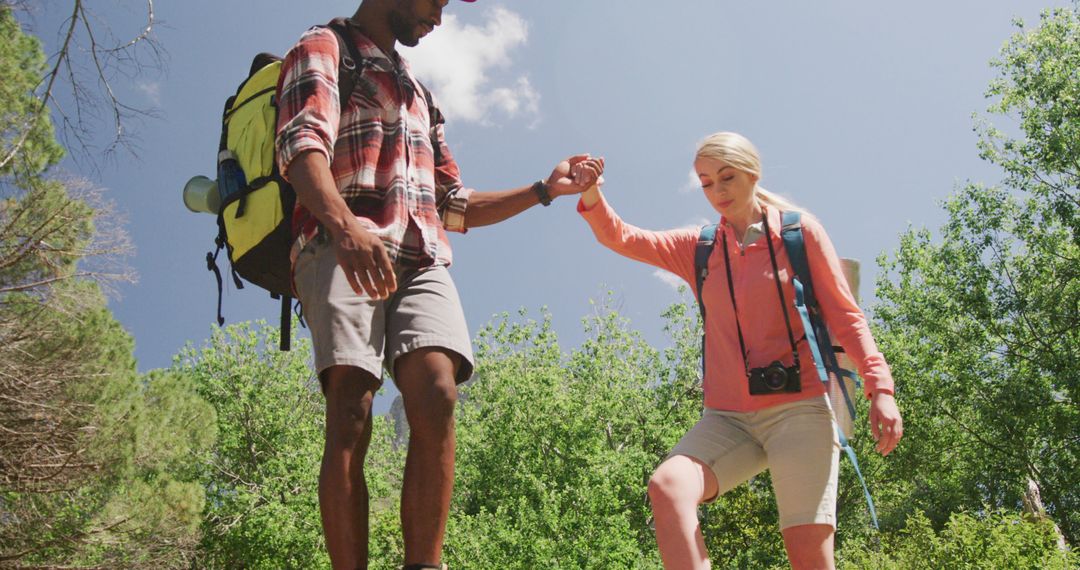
(540, 188)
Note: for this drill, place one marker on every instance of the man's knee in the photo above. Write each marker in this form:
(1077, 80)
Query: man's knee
(428, 384)
(349, 395)
(429, 407)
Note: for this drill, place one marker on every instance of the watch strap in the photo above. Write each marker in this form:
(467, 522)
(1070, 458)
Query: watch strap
(540, 188)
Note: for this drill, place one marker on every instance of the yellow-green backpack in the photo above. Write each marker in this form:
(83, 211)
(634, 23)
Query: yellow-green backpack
(254, 221)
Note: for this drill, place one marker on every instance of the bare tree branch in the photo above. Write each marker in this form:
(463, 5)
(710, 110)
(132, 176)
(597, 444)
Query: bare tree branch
(92, 92)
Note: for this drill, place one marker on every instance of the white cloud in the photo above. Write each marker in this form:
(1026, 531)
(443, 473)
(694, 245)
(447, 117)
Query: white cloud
(457, 60)
(692, 183)
(521, 98)
(669, 279)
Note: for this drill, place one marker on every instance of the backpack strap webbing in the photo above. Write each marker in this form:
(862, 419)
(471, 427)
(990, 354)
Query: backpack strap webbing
(705, 244)
(285, 343)
(354, 64)
(817, 334)
(350, 62)
(435, 118)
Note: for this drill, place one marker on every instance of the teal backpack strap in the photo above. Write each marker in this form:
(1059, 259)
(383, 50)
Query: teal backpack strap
(705, 243)
(814, 325)
(792, 236)
(817, 334)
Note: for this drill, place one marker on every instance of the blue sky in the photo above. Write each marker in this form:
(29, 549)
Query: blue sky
(862, 112)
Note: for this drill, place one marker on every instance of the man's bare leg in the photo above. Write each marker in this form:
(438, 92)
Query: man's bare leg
(426, 378)
(343, 493)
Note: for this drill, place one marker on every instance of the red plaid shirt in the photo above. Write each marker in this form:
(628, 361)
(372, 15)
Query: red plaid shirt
(379, 148)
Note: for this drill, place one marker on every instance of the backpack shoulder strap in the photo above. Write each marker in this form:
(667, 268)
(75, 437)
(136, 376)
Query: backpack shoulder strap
(349, 59)
(792, 235)
(817, 334)
(705, 244)
(435, 118)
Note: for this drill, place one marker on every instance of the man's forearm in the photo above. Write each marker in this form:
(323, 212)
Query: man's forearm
(486, 208)
(316, 191)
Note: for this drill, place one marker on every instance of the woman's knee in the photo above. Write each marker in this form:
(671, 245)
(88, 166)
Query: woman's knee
(676, 484)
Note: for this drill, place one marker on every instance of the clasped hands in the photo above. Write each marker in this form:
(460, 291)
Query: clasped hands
(367, 265)
(575, 175)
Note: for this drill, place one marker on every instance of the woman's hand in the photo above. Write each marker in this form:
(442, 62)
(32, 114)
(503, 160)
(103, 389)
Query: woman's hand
(885, 422)
(590, 173)
(575, 175)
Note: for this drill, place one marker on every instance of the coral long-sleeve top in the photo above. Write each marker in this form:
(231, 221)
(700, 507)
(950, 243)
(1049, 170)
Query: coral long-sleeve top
(726, 384)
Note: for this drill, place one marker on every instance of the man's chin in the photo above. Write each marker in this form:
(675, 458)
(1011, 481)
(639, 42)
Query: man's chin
(406, 33)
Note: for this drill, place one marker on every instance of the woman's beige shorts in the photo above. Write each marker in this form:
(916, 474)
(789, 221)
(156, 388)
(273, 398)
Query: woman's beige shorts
(796, 442)
(353, 330)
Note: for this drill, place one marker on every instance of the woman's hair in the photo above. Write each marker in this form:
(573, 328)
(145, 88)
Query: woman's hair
(736, 150)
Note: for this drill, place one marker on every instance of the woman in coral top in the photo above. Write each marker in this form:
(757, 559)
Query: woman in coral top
(745, 427)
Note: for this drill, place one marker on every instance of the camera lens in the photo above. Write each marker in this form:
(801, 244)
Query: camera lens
(775, 376)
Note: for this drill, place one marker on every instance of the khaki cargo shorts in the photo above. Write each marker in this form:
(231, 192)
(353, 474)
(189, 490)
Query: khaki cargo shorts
(795, 441)
(353, 330)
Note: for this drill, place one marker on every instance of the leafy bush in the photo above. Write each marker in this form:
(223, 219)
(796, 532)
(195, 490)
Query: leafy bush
(997, 540)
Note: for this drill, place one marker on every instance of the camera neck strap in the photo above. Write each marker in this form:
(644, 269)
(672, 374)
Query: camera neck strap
(779, 292)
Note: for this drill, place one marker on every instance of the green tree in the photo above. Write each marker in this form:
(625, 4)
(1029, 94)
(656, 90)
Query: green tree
(555, 450)
(982, 324)
(992, 540)
(90, 451)
(22, 120)
(93, 455)
(261, 474)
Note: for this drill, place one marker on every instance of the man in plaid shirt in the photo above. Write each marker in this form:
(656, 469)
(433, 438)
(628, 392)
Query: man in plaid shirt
(378, 189)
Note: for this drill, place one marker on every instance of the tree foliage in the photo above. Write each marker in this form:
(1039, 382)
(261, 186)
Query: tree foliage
(22, 64)
(982, 323)
(260, 475)
(90, 453)
(555, 449)
(967, 542)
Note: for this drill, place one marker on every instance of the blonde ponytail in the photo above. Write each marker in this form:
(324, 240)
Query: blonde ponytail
(779, 202)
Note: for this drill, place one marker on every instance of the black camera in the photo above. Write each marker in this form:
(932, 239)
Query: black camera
(774, 378)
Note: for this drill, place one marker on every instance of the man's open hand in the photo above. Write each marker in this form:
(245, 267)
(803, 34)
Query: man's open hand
(363, 257)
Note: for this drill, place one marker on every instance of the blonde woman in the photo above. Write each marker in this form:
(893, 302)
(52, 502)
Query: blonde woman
(744, 430)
